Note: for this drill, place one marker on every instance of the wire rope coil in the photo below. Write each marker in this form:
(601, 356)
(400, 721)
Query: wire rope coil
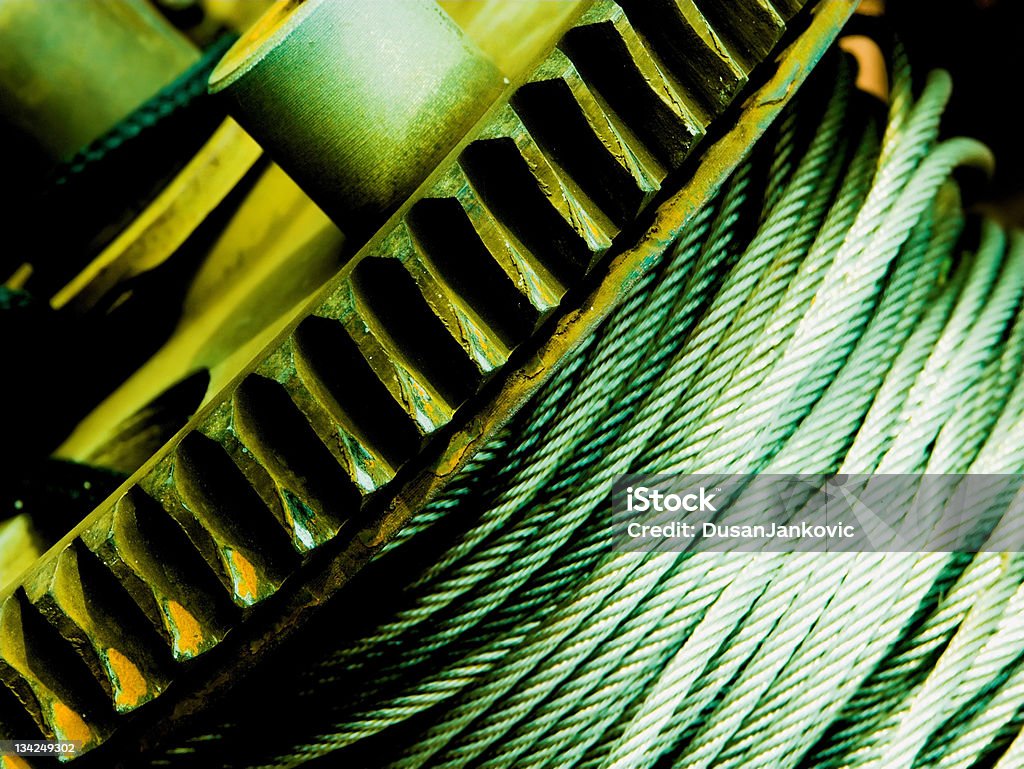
(833, 310)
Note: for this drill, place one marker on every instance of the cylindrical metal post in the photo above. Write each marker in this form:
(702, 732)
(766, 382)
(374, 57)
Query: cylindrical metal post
(357, 100)
(72, 69)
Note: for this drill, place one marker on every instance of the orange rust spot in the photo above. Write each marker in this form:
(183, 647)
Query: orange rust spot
(129, 683)
(454, 458)
(246, 582)
(14, 762)
(69, 725)
(188, 635)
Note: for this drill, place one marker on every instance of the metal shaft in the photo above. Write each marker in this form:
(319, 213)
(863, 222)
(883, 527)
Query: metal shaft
(358, 101)
(72, 69)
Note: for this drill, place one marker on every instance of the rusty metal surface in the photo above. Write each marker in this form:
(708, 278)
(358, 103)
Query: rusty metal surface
(281, 488)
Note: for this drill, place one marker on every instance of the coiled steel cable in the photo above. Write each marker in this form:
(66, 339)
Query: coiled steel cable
(829, 312)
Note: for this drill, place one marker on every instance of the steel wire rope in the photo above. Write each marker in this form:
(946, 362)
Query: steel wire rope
(857, 335)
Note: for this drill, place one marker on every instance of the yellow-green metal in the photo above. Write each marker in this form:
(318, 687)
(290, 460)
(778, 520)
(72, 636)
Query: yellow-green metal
(357, 101)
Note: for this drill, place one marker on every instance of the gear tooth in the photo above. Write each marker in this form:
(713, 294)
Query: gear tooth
(15, 721)
(48, 679)
(347, 386)
(152, 560)
(479, 264)
(547, 213)
(253, 551)
(750, 28)
(421, 351)
(365, 466)
(196, 487)
(482, 346)
(313, 496)
(303, 375)
(787, 9)
(275, 490)
(587, 140)
(457, 210)
(689, 49)
(100, 622)
(617, 63)
(426, 409)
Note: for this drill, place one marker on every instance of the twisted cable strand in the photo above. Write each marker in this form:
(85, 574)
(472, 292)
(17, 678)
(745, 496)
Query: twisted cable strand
(843, 344)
